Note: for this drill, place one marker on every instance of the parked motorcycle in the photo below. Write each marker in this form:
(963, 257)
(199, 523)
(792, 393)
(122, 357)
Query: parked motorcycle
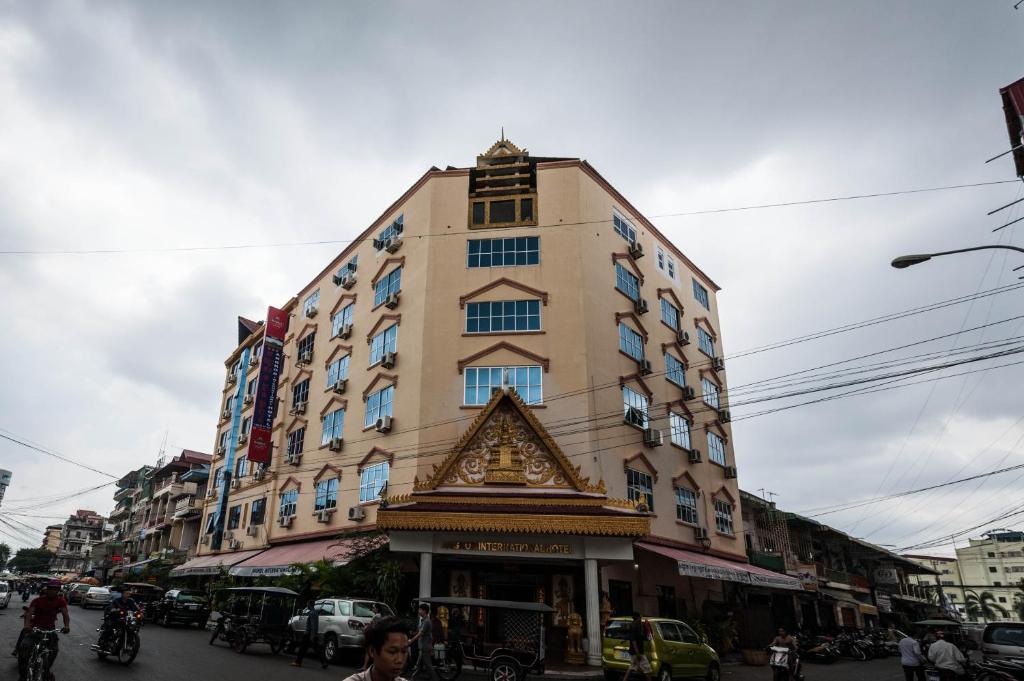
(848, 646)
(120, 636)
(779, 658)
(225, 630)
(820, 649)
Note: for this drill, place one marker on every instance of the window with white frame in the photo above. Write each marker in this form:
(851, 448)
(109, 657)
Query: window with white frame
(686, 506)
(503, 315)
(511, 252)
(235, 368)
(391, 231)
(723, 516)
(372, 480)
(337, 370)
(241, 467)
(311, 303)
(705, 342)
(289, 503)
(379, 404)
(680, 428)
(326, 495)
(246, 425)
(627, 282)
(218, 478)
(716, 448)
(250, 388)
(674, 370)
(296, 440)
(670, 314)
(624, 228)
(334, 426)
(229, 404)
(640, 487)
(300, 392)
(631, 342)
(710, 392)
(385, 341)
(342, 317)
(635, 407)
(661, 258)
(222, 442)
(666, 263)
(305, 345)
(701, 294)
(386, 285)
(482, 382)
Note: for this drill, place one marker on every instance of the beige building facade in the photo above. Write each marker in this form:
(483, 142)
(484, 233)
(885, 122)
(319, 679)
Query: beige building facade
(51, 538)
(994, 564)
(523, 273)
(948, 581)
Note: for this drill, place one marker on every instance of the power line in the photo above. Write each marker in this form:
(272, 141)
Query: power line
(337, 242)
(57, 456)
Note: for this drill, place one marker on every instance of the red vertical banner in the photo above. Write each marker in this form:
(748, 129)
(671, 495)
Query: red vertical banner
(260, 444)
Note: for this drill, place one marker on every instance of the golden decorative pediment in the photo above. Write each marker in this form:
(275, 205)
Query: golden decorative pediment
(507, 446)
(503, 147)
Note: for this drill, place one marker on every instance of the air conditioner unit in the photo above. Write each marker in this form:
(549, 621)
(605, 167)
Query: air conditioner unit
(391, 302)
(311, 311)
(348, 281)
(247, 399)
(205, 539)
(383, 424)
(693, 455)
(700, 533)
(250, 531)
(335, 445)
(286, 520)
(221, 451)
(254, 360)
(259, 474)
(232, 379)
(294, 459)
(730, 472)
(345, 331)
(689, 393)
(305, 358)
(635, 417)
(724, 416)
(636, 251)
(356, 513)
(645, 366)
(235, 544)
(653, 437)
(298, 408)
(229, 536)
(236, 483)
(339, 386)
(388, 360)
(641, 306)
(393, 244)
(324, 515)
(242, 439)
(226, 414)
(338, 277)
(718, 364)
(682, 337)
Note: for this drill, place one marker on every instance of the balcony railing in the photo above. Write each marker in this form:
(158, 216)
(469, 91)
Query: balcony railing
(186, 506)
(769, 561)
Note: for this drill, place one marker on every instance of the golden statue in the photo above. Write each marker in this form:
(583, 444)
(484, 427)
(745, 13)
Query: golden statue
(606, 610)
(508, 469)
(574, 640)
(442, 615)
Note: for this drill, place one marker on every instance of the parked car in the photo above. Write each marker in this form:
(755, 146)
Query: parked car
(187, 606)
(1001, 640)
(96, 596)
(77, 592)
(674, 650)
(5, 595)
(342, 621)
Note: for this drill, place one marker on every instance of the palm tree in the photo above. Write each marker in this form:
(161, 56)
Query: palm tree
(983, 605)
(1018, 606)
(5, 554)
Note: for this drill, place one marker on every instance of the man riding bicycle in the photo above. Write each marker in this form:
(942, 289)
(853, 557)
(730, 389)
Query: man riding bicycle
(42, 614)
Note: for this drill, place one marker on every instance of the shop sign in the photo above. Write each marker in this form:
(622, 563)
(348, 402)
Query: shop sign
(886, 576)
(808, 576)
(883, 601)
(547, 548)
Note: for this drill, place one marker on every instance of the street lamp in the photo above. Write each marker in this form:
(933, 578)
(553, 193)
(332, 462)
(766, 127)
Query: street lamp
(907, 260)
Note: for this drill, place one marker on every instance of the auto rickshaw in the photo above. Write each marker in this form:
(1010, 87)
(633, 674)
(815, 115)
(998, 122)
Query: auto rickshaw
(254, 615)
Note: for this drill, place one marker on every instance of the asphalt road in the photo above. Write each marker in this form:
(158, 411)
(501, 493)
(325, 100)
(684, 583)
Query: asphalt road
(183, 653)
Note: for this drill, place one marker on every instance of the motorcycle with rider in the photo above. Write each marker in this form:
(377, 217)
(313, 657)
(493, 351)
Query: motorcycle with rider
(119, 633)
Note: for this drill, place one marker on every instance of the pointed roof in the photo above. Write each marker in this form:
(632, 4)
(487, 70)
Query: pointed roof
(503, 147)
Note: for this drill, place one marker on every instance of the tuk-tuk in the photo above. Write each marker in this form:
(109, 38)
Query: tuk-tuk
(508, 648)
(951, 630)
(254, 615)
(145, 595)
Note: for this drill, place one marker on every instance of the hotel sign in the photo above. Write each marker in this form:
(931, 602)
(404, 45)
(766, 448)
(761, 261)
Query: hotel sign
(260, 445)
(546, 548)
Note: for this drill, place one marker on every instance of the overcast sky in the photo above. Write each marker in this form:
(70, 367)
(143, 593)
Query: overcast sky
(160, 124)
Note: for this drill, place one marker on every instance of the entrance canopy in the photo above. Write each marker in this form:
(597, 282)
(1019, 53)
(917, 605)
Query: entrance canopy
(212, 564)
(693, 564)
(278, 560)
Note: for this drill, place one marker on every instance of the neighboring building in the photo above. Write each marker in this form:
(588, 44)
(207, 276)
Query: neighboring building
(847, 582)
(5, 481)
(994, 564)
(947, 581)
(164, 526)
(128, 516)
(79, 533)
(521, 273)
(51, 539)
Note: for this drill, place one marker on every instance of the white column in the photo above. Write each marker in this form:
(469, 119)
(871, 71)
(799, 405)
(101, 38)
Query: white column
(593, 612)
(426, 564)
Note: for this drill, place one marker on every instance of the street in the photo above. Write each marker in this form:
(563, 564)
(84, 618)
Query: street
(182, 653)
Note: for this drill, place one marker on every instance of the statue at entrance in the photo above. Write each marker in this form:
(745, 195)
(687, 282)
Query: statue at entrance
(574, 640)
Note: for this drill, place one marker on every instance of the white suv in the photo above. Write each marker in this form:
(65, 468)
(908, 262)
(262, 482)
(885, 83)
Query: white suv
(5, 595)
(342, 621)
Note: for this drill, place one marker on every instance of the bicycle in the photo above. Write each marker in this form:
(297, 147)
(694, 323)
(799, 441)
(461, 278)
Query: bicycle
(41, 656)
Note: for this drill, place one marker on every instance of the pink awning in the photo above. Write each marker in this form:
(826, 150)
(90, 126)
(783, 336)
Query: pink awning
(212, 564)
(693, 564)
(278, 560)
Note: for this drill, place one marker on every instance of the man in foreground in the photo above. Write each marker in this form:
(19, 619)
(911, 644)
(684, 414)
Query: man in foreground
(947, 658)
(911, 659)
(638, 658)
(387, 647)
(42, 614)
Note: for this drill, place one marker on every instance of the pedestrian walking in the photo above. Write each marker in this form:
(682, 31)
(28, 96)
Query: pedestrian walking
(911, 659)
(310, 638)
(947, 658)
(425, 638)
(638, 658)
(386, 641)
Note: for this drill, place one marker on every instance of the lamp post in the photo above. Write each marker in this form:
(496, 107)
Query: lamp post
(907, 260)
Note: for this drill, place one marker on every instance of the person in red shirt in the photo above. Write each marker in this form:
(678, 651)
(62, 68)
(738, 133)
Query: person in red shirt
(42, 614)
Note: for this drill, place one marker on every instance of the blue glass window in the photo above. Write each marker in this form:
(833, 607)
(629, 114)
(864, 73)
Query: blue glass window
(305, 345)
(300, 393)
(640, 487)
(385, 341)
(392, 230)
(669, 314)
(710, 392)
(481, 382)
(296, 439)
(627, 282)
(635, 407)
(289, 503)
(631, 342)
(388, 284)
(503, 315)
(341, 318)
(326, 494)
(379, 404)
(705, 342)
(701, 294)
(723, 516)
(686, 506)
(680, 430)
(372, 481)
(334, 426)
(623, 228)
(674, 370)
(716, 448)
(311, 303)
(337, 370)
(510, 252)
